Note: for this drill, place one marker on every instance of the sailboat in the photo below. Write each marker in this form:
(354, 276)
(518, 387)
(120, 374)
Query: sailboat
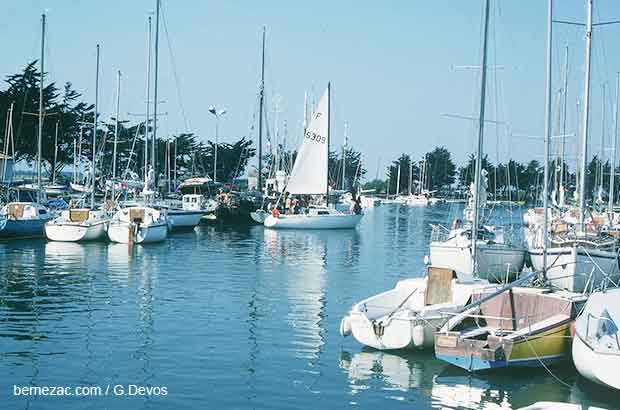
(82, 224)
(26, 218)
(309, 177)
(144, 223)
(471, 247)
(579, 256)
(596, 344)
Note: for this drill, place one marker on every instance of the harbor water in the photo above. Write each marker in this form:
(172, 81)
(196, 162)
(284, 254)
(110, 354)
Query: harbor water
(237, 318)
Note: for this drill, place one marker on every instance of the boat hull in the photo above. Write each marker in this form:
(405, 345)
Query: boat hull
(123, 232)
(343, 221)
(595, 367)
(22, 228)
(405, 317)
(570, 268)
(183, 219)
(542, 348)
(75, 232)
(496, 263)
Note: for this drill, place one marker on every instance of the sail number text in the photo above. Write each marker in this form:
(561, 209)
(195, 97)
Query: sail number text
(315, 137)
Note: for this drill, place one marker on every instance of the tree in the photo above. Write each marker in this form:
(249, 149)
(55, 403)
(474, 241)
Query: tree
(440, 169)
(354, 169)
(407, 173)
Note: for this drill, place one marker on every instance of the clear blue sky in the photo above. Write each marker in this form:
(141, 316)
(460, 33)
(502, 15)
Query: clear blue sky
(394, 65)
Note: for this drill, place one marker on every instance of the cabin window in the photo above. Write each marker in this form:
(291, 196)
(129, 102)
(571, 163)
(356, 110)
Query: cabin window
(42, 211)
(323, 213)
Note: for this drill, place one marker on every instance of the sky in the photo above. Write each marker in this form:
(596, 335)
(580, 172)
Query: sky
(400, 70)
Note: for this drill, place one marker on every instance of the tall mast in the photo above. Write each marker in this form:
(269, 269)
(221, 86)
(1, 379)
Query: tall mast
(344, 148)
(483, 85)
(584, 125)
(55, 153)
(260, 116)
(398, 180)
(40, 142)
(118, 102)
(601, 166)
(92, 165)
(613, 149)
(564, 116)
(547, 132)
(154, 133)
(329, 120)
(148, 104)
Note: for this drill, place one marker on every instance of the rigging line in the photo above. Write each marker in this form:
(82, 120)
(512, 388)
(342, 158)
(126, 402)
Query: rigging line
(174, 70)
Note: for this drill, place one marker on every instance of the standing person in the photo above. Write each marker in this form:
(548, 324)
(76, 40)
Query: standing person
(357, 205)
(287, 202)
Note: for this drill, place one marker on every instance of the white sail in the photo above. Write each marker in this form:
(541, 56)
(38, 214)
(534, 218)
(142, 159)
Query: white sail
(309, 174)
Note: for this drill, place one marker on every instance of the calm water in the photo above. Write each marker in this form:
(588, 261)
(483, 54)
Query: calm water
(237, 318)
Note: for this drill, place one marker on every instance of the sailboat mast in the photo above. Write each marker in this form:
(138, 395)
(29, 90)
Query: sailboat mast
(40, 142)
(92, 166)
(55, 154)
(547, 132)
(563, 150)
(344, 151)
(148, 104)
(118, 102)
(474, 235)
(584, 125)
(602, 167)
(154, 133)
(612, 173)
(260, 116)
(329, 120)
(398, 180)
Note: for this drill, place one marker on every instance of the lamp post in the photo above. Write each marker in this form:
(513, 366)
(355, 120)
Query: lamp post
(217, 114)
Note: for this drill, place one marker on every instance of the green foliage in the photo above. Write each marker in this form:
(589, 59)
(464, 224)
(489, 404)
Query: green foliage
(75, 117)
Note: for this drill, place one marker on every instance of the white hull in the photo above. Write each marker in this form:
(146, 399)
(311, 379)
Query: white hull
(126, 232)
(494, 261)
(598, 368)
(596, 344)
(183, 219)
(400, 318)
(75, 232)
(572, 268)
(333, 221)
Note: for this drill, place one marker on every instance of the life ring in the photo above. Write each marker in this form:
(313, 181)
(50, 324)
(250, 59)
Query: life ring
(275, 213)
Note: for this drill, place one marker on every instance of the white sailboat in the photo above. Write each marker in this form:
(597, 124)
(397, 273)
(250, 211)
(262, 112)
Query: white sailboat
(309, 177)
(82, 224)
(26, 218)
(496, 259)
(470, 247)
(596, 344)
(76, 225)
(138, 224)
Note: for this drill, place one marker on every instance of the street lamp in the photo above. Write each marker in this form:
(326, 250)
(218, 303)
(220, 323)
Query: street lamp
(217, 115)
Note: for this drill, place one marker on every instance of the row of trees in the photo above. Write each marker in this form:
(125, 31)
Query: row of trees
(68, 120)
(511, 180)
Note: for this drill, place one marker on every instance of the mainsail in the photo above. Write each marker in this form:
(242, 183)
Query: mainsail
(309, 174)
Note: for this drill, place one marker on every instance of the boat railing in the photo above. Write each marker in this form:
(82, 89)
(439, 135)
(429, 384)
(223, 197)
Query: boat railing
(590, 315)
(439, 233)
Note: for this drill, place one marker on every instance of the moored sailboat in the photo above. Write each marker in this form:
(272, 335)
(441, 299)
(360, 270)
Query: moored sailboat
(309, 177)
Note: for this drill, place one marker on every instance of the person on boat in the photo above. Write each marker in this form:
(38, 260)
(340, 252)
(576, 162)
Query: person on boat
(356, 207)
(287, 202)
